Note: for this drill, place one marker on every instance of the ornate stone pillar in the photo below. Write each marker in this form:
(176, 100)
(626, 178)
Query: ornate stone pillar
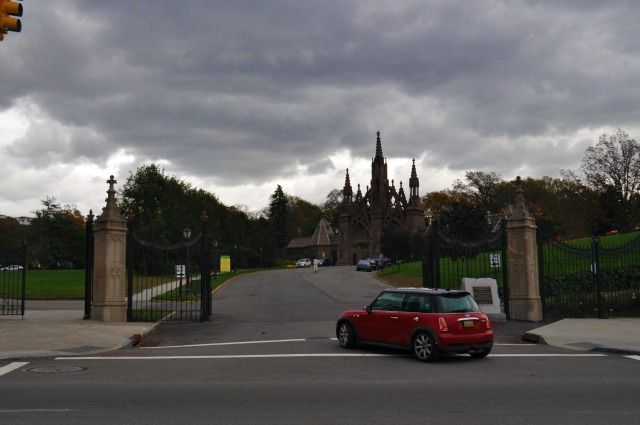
(522, 261)
(109, 283)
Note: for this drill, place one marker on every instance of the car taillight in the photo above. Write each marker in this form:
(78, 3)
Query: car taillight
(487, 322)
(442, 324)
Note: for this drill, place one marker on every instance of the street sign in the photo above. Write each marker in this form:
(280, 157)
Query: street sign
(181, 271)
(494, 261)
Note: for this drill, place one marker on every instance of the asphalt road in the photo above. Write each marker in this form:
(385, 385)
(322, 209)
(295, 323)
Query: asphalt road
(269, 357)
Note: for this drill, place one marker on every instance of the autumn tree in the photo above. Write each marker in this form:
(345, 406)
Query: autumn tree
(56, 236)
(612, 167)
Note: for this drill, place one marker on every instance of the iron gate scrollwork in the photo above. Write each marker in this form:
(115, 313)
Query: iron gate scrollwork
(448, 259)
(168, 281)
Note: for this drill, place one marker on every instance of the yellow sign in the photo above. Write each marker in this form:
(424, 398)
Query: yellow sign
(225, 264)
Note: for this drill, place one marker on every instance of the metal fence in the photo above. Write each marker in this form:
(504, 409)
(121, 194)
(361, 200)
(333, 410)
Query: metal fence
(594, 277)
(13, 279)
(448, 260)
(168, 281)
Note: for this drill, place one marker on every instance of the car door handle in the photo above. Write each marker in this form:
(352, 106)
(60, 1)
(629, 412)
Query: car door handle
(394, 317)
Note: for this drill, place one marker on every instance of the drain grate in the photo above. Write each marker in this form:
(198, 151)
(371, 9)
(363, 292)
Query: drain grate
(56, 369)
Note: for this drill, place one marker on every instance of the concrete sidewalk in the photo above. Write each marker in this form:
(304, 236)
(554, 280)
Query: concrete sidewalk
(57, 329)
(614, 335)
(60, 332)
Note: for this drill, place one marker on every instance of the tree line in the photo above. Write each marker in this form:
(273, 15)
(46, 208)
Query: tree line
(603, 195)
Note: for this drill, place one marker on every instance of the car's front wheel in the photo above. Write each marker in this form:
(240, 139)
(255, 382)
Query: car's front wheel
(423, 347)
(346, 335)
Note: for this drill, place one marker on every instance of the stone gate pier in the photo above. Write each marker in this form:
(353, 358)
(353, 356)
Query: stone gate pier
(522, 256)
(109, 283)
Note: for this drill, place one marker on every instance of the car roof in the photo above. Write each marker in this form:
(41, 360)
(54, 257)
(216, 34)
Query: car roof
(431, 291)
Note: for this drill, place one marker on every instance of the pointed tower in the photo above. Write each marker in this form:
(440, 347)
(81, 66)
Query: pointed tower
(414, 184)
(414, 214)
(347, 192)
(344, 222)
(379, 181)
(379, 198)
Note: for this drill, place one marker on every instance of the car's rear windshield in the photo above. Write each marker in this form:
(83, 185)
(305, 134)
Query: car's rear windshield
(457, 303)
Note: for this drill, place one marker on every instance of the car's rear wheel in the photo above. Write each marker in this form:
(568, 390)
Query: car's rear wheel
(423, 347)
(478, 354)
(346, 335)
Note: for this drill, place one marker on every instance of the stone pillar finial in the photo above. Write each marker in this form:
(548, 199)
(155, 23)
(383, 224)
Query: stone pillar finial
(520, 210)
(111, 212)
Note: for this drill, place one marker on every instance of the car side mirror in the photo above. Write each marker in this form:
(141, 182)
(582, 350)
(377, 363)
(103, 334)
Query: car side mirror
(368, 309)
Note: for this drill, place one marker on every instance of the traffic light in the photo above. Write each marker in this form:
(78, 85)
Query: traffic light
(9, 9)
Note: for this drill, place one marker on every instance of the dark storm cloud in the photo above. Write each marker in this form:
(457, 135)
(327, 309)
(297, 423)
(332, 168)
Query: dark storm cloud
(245, 90)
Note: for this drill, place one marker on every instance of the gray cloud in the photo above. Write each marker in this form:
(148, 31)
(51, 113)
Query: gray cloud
(243, 91)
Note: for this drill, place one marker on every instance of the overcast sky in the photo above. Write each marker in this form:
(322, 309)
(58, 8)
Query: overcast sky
(239, 96)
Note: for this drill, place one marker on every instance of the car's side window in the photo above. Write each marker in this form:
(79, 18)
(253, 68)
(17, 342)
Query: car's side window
(389, 301)
(417, 303)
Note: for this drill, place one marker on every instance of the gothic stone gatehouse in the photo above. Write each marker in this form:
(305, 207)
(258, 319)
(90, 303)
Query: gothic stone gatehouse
(322, 244)
(364, 217)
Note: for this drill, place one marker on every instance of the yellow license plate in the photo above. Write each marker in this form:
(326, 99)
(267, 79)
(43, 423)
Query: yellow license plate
(467, 324)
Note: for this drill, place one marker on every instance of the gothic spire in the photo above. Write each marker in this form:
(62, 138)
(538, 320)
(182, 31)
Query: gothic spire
(414, 184)
(378, 146)
(347, 192)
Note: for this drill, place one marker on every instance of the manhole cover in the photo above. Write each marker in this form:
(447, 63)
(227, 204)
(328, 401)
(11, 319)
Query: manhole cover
(56, 369)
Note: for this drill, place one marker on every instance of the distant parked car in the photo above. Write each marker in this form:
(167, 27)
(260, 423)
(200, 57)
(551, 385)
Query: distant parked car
(325, 263)
(303, 262)
(363, 264)
(12, 267)
(375, 264)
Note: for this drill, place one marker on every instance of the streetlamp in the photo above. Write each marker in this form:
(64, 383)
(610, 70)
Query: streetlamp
(235, 258)
(215, 259)
(187, 234)
(261, 262)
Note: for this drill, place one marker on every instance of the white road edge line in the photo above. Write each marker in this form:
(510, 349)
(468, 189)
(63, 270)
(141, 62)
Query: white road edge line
(213, 344)
(231, 356)
(11, 367)
(633, 357)
(547, 355)
(275, 356)
(275, 341)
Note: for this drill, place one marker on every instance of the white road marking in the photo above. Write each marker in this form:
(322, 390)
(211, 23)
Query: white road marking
(35, 410)
(11, 367)
(214, 344)
(633, 357)
(547, 355)
(241, 356)
(316, 355)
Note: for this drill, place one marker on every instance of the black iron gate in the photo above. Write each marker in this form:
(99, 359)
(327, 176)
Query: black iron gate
(168, 281)
(13, 278)
(450, 259)
(591, 277)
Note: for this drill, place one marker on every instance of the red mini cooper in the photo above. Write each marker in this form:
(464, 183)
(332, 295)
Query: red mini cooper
(426, 321)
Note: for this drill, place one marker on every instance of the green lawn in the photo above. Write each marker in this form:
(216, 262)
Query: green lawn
(55, 284)
(452, 270)
(69, 284)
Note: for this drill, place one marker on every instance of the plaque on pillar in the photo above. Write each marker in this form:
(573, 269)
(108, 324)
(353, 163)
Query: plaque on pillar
(485, 292)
